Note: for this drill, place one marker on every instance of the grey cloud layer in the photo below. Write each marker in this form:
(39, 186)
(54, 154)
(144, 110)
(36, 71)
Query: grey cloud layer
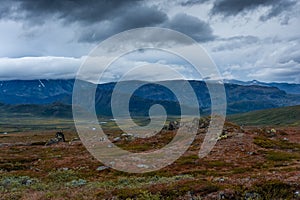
(234, 7)
(262, 59)
(133, 17)
(247, 42)
(228, 8)
(68, 10)
(28, 68)
(192, 26)
(101, 19)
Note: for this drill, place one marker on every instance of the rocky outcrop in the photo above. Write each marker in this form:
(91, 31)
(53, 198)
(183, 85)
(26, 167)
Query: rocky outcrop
(59, 137)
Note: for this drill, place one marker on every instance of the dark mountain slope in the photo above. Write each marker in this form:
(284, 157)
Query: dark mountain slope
(240, 98)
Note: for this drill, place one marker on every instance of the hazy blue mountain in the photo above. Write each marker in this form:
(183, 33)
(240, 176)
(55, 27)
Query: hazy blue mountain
(55, 95)
(36, 91)
(290, 88)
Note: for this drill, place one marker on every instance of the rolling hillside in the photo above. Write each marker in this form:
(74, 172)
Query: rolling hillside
(276, 116)
(54, 110)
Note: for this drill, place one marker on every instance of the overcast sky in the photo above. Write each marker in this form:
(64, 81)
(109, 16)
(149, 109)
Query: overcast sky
(247, 39)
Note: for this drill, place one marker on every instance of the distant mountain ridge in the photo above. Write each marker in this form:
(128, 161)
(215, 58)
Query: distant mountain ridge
(36, 91)
(290, 88)
(241, 97)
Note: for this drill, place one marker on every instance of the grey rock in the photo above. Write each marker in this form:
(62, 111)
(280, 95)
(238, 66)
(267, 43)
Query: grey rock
(117, 139)
(59, 137)
(143, 166)
(77, 183)
(16, 181)
(252, 196)
(101, 168)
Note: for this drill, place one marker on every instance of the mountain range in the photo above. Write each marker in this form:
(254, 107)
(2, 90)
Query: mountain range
(291, 88)
(54, 97)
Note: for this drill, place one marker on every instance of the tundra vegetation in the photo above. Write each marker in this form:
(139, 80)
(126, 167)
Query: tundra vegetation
(248, 162)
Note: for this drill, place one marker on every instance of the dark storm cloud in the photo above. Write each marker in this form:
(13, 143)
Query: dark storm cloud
(189, 25)
(101, 19)
(59, 33)
(192, 26)
(89, 11)
(145, 16)
(132, 17)
(125, 14)
(5, 8)
(235, 7)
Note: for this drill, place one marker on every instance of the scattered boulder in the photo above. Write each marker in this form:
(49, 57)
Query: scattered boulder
(59, 137)
(223, 136)
(271, 133)
(219, 179)
(165, 127)
(204, 122)
(173, 125)
(252, 196)
(127, 135)
(143, 166)
(285, 139)
(101, 168)
(227, 194)
(122, 137)
(52, 141)
(74, 140)
(117, 139)
(77, 183)
(273, 130)
(16, 181)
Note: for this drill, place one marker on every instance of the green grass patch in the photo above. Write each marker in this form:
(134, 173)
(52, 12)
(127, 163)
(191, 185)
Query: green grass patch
(218, 163)
(187, 160)
(281, 156)
(285, 116)
(273, 190)
(267, 143)
(241, 170)
(62, 176)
